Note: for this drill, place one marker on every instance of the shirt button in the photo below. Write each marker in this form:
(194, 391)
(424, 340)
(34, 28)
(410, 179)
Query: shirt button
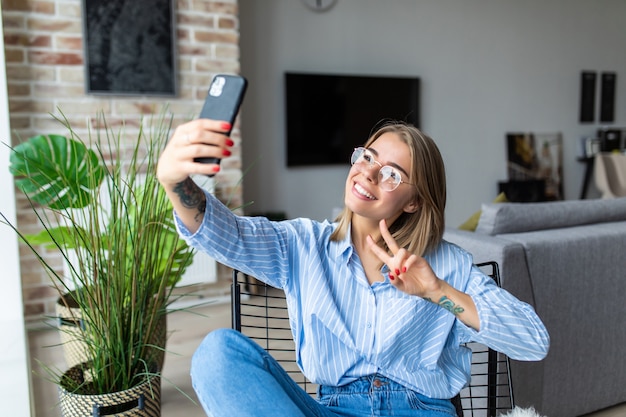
(368, 325)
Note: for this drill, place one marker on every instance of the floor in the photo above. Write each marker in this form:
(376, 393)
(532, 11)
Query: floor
(188, 328)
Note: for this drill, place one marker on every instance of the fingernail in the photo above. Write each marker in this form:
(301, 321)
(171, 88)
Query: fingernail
(404, 269)
(229, 142)
(397, 271)
(226, 152)
(225, 126)
(391, 277)
(216, 168)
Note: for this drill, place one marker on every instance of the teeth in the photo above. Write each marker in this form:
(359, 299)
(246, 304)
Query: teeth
(362, 191)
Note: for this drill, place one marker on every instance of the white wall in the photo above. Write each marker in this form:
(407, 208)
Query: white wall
(487, 67)
(14, 367)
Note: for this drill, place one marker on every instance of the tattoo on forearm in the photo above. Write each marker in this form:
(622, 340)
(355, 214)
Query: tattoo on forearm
(191, 196)
(448, 304)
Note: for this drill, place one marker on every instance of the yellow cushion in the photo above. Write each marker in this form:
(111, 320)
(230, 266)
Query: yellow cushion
(471, 223)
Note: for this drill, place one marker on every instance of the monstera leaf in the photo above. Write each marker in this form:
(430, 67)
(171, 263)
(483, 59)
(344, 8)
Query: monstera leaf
(57, 172)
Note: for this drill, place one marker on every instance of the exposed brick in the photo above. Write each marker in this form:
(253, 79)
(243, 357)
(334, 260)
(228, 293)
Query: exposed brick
(58, 91)
(215, 6)
(45, 70)
(183, 35)
(72, 74)
(227, 23)
(227, 52)
(33, 310)
(218, 66)
(55, 58)
(196, 20)
(18, 123)
(22, 39)
(43, 7)
(16, 5)
(70, 9)
(216, 37)
(13, 22)
(84, 107)
(39, 292)
(68, 42)
(14, 55)
(27, 72)
(16, 90)
(52, 25)
(195, 50)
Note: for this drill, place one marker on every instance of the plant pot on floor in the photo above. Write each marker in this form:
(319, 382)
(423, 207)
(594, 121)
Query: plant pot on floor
(71, 324)
(142, 400)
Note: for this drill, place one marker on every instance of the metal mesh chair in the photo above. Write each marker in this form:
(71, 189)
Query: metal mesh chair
(260, 312)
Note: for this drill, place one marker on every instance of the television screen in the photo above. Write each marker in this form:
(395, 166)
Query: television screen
(329, 115)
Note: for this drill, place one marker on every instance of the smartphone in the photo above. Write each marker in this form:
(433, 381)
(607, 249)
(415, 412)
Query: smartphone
(222, 103)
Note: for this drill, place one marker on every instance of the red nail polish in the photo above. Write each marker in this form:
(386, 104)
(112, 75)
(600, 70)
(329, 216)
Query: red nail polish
(225, 126)
(229, 142)
(216, 168)
(404, 269)
(391, 277)
(397, 271)
(226, 152)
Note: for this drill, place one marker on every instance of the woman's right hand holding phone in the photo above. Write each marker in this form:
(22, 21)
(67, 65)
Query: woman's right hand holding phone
(201, 138)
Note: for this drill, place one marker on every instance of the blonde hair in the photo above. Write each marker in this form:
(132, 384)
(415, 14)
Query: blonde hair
(422, 231)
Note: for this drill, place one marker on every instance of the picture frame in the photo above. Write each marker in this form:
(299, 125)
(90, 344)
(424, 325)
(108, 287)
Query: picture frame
(130, 47)
(537, 156)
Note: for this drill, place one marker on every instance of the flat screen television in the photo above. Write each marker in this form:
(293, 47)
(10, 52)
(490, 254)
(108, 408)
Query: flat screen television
(328, 115)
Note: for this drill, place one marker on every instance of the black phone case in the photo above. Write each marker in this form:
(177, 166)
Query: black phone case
(222, 102)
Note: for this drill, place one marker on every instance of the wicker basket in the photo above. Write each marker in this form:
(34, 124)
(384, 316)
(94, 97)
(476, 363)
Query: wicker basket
(70, 326)
(70, 323)
(144, 400)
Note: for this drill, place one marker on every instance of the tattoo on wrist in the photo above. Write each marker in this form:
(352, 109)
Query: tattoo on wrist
(191, 196)
(448, 304)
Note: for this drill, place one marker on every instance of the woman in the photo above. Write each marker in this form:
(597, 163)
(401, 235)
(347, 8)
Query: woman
(379, 304)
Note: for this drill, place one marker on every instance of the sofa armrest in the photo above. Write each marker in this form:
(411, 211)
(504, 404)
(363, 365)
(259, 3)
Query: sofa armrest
(509, 255)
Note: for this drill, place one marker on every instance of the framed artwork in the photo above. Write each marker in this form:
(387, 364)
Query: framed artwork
(129, 47)
(537, 156)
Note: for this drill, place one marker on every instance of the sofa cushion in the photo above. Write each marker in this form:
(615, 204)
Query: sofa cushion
(472, 222)
(496, 219)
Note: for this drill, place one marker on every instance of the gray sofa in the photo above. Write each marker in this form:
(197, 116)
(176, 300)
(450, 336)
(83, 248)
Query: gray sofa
(568, 260)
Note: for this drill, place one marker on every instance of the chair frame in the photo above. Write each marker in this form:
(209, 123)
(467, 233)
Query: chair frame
(258, 310)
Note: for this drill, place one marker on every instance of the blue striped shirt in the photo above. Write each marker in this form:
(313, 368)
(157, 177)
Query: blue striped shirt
(345, 328)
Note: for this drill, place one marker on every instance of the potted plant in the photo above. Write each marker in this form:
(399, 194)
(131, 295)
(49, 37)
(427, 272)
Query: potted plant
(101, 206)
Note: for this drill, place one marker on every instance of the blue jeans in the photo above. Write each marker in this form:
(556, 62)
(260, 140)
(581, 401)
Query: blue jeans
(233, 376)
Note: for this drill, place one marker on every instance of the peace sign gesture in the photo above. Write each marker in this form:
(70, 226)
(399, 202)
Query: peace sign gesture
(410, 273)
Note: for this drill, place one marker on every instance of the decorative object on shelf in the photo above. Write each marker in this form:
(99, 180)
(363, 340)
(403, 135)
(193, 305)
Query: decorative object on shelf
(611, 140)
(105, 212)
(319, 5)
(536, 156)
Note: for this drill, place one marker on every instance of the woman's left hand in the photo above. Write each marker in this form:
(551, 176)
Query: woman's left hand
(408, 272)
(413, 275)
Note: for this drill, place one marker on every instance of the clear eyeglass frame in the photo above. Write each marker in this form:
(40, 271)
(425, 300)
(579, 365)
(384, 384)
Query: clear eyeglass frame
(389, 178)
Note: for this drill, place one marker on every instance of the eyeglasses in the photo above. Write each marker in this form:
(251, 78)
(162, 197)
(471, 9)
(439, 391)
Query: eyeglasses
(389, 178)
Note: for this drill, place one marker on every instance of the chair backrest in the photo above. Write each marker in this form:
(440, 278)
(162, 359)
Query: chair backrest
(260, 312)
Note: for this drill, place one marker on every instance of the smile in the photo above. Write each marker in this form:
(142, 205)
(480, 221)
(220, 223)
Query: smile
(363, 192)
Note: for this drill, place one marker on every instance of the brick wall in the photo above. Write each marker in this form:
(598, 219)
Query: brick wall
(45, 72)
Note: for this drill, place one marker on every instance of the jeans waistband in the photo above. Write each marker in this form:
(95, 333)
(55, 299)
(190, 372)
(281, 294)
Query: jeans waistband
(363, 385)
